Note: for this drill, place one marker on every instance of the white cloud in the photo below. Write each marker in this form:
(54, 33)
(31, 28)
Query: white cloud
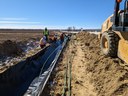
(15, 26)
(8, 26)
(18, 22)
(14, 19)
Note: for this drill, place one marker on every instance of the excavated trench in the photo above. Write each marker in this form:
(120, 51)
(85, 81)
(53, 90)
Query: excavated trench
(16, 80)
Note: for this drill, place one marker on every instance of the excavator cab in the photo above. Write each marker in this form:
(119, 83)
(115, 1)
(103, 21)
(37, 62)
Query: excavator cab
(114, 33)
(123, 16)
(120, 17)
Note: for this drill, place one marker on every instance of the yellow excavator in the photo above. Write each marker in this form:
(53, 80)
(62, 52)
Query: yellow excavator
(114, 33)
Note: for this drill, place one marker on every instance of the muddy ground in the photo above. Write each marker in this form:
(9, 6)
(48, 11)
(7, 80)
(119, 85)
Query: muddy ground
(93, 74)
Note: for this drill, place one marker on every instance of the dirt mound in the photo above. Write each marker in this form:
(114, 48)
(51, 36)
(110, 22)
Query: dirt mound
(93, 74)
(109, 78)
(10, 48)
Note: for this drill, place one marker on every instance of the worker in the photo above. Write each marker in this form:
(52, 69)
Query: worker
(55, 36)
(43, 41)
(62, 37)
(46, 33)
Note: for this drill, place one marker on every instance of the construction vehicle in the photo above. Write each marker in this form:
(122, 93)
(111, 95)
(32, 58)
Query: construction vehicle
(114, 33)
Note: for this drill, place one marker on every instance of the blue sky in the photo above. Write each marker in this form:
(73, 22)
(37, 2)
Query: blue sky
(54, 13)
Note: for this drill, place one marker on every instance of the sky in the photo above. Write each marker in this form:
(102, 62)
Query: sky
(60, 14)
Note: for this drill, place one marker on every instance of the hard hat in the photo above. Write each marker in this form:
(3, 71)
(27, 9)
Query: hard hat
(45, 28)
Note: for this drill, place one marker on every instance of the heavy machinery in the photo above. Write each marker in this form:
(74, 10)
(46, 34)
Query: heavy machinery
(114, 34)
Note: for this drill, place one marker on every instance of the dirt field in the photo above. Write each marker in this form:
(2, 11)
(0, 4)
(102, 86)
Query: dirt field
(93, 74)
(14, 47)
(11, 43)
(19, 36)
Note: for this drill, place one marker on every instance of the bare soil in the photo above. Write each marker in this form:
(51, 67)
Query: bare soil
(13, 46)
(11, 43)
(17, 45)
(93, 74)
(23, 36)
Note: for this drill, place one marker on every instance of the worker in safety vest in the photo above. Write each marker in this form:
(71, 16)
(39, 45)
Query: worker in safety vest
(42, 42)
(46, 33)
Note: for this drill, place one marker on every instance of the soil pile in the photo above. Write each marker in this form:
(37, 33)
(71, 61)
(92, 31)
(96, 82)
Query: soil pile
(10, 48)
(109, 78)
(93, 74)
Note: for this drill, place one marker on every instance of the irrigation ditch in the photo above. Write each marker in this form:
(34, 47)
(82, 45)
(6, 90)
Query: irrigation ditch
(30, 76)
